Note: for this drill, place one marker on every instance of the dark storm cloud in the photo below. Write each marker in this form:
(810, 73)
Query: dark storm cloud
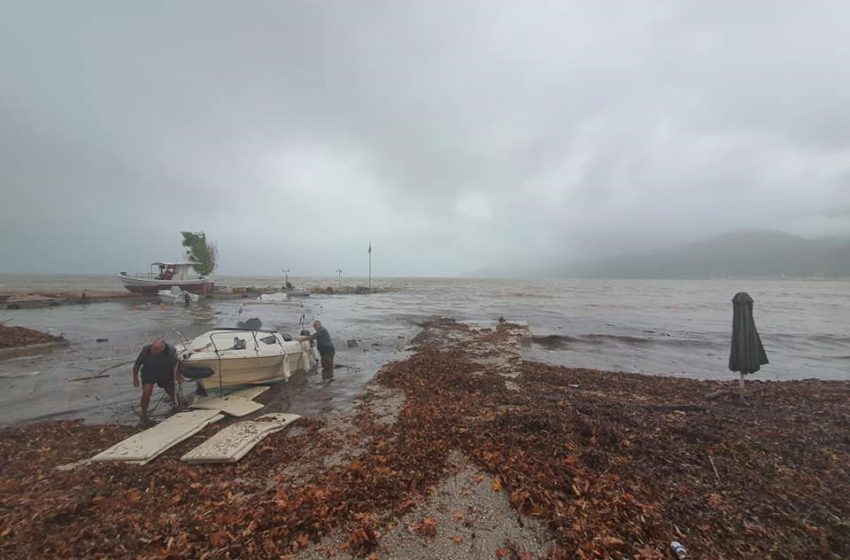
(454, 135)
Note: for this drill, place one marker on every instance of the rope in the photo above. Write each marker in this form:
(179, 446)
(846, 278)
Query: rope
(138, 411)
(124, 363)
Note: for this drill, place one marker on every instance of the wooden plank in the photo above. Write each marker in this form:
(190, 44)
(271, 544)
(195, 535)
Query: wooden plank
(235, 441)
(147, 445)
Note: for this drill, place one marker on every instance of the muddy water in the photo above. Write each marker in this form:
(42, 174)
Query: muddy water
(53, 385)
(677, 328)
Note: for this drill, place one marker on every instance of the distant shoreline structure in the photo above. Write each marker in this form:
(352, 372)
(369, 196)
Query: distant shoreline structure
(743, 254)
(28, 299)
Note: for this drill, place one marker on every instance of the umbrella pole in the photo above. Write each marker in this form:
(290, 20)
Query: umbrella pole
(742, 386)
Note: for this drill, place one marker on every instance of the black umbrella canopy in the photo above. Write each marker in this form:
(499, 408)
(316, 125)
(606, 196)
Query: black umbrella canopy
(747, 354)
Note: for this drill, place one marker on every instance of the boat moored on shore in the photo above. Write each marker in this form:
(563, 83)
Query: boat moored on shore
(170, 274)
(231, 357)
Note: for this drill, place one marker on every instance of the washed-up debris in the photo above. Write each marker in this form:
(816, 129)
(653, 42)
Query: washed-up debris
(230, 405)
(18, 375)
(88, 377)
(606, 472)
(233, 442)
(147, 445)
(15, 337)
(679, 550)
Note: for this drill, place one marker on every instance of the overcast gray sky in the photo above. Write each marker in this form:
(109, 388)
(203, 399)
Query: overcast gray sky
(454, 135)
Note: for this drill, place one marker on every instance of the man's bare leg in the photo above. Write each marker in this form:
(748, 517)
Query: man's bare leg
(147, 391)
(171, 395)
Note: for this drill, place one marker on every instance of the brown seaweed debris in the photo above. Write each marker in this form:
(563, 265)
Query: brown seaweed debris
(17, 337)
(594, 455)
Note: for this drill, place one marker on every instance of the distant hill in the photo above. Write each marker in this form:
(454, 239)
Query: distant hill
(747, 253)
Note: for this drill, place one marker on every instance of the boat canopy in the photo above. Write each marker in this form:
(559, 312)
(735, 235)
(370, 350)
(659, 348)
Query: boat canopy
(172, 270)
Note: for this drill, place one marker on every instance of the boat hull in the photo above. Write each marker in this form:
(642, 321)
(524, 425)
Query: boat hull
(149, 286)
(234, 372)
(256, 362)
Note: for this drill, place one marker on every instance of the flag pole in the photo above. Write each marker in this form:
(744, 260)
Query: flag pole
(370, 266)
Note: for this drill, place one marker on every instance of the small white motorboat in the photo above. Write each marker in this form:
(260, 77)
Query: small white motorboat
(284, 297)
(298, 292)
(229, 357)
(176, 295)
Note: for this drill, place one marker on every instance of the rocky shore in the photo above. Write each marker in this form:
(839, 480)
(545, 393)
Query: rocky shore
(464, 450)
(29, 300)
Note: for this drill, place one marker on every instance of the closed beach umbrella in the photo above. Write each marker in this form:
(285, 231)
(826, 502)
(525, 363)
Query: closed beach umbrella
(747, 354)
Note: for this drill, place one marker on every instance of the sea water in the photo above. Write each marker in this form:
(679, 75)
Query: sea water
(666, 327)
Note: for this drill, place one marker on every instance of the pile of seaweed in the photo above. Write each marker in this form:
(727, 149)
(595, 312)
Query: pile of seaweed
(616, 465)
(16, 337)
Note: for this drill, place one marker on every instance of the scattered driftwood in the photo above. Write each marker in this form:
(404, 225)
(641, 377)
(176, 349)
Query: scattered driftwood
(119, 364)
(88, 377)
(679, 407)
(726, 394)
(718, 394)
(714, 468)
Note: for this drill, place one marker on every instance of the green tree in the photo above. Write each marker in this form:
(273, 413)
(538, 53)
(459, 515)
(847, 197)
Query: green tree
(200, 251)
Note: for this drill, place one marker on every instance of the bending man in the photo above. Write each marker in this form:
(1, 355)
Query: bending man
(325, 346)
(158, 362)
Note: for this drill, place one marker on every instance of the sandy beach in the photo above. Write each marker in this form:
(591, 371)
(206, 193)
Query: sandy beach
(465, 450)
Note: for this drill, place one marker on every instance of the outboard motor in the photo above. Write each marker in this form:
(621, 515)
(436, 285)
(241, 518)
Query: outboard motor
(252, 324)
(305, 332)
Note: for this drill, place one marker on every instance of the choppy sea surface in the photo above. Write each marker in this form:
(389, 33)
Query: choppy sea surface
(668, 327)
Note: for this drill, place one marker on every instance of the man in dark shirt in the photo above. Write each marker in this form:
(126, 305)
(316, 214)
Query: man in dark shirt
(325, 346)
(158, 362)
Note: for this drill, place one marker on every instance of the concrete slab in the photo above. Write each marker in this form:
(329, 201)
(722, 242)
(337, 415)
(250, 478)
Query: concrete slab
(235, 441)
(250, 393)
(230, 405)
(147, 445)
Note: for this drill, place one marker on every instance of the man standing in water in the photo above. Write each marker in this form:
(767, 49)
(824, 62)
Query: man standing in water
(158, 362)
(325, 346)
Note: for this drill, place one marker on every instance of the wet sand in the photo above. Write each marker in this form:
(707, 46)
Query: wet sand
(464, 450)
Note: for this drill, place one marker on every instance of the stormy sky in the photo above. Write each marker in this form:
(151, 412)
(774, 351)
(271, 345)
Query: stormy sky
(455, 135)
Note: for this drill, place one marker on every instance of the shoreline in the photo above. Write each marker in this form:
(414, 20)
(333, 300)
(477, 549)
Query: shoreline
(444, 449)
(13, 300)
